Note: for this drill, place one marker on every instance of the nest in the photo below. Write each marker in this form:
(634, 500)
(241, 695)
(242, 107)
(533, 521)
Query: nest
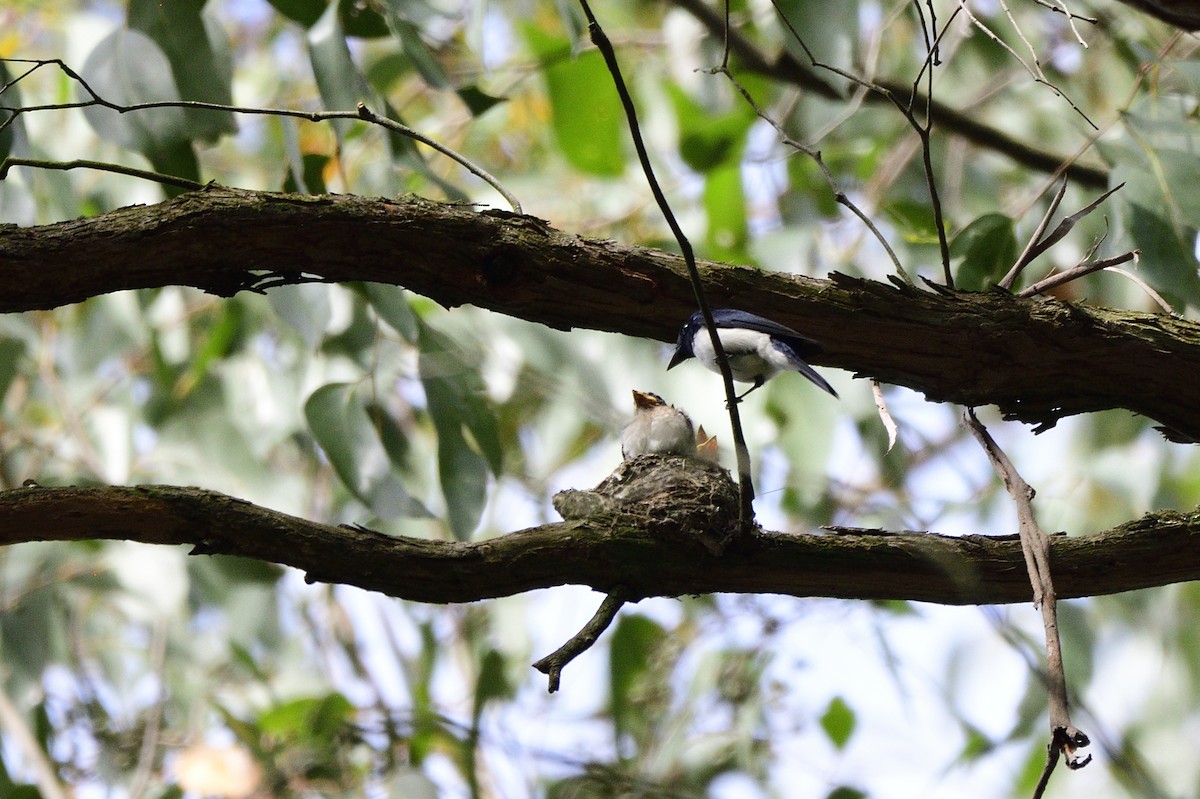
(667, 496)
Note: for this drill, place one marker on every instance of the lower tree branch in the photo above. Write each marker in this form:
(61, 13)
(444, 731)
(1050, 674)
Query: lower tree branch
(1158, 549)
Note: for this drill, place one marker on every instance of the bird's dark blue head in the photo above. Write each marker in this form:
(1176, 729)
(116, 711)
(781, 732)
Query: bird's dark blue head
(687, 334)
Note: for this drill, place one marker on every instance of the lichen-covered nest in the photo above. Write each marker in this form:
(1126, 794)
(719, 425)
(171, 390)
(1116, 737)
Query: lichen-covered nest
(667, 495)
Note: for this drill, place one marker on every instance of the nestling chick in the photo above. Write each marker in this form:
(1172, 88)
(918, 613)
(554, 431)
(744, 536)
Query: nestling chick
(657, 428)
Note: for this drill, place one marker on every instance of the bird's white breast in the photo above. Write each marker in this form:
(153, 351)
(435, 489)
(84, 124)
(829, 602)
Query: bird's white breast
(751, 353)
(660, 430)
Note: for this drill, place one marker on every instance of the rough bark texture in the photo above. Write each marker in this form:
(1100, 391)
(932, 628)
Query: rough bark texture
(1158, 549)
(1038, 360)
(1181, 13)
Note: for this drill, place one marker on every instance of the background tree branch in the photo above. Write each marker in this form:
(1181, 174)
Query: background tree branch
(1158, 549)
(1037, 360)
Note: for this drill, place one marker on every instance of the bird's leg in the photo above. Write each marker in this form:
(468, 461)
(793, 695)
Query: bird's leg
(758, 383)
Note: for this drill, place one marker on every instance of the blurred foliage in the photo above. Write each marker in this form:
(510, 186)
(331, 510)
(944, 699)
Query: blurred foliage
(143, 672)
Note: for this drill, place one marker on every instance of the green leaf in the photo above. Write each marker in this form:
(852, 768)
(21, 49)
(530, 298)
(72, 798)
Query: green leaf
(1167, 262)
(845, 792)
(419, 53)
(341, 86)
(988, 246)
(453, 392)
(11, 96)
(342, 427)
(126, 68)
(305, 307)
(315, 720)
(311, 175)
(11, 352)
(477, 100)
(708, 140)
(198, 51)
(838, 722)
(306, 12)
(914, 220)
(635, 642)
(589, 124)
(391, 303)
(492, 683)
(175, 158)
(361, 19)
(725, 204)
(460, 392)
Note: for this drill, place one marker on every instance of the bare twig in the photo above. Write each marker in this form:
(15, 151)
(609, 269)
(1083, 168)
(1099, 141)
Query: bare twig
(79, 163)
(361, 113)
(1034, 71)
(922, 128)
(745, 481)
(552, 665)
(1024, 258)
(839, 196)
(785, 67)
(1076, 272)
(24, 741)
(1065, 738)
(1037, 246)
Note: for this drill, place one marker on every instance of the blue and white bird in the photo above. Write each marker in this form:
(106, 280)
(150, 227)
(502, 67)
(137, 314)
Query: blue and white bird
(657, 428)
(757, 348)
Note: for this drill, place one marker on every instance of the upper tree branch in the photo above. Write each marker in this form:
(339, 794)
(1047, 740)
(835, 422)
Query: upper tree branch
(1156, 550)
(1038, 360)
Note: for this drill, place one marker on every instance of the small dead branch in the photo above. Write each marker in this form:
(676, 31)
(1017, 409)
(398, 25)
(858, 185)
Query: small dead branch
(1038, 243)
(1066, 739)
(552, 664)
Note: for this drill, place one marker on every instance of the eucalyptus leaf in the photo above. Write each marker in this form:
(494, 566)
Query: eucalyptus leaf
(988, 247)
(339, 82)
(635, 641)
(198, 51)
(589, 124)
(126, 68)
(342, 427)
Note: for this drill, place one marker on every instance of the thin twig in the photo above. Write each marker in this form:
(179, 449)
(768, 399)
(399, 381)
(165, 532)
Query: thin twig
(362, 113)
(1024, 258)
(787, 68)
(839, 196)
(745, 482)
(552, 665)
(1035, 71)
(1065, 738)
(24, 741)
(1076, 272)
(79, 163)
(1037, 246)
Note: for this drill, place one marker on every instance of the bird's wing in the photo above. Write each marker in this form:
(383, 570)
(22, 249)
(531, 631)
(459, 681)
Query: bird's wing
(801, 345)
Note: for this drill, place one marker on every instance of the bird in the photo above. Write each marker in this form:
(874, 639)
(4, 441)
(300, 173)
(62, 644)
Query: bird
(757, 348)
(657, 428)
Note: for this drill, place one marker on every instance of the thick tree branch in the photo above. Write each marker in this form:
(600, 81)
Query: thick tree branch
(1038, 360)
(1158, 549)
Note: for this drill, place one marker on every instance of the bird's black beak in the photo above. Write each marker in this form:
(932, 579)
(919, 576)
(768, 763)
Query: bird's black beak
(679, 357)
